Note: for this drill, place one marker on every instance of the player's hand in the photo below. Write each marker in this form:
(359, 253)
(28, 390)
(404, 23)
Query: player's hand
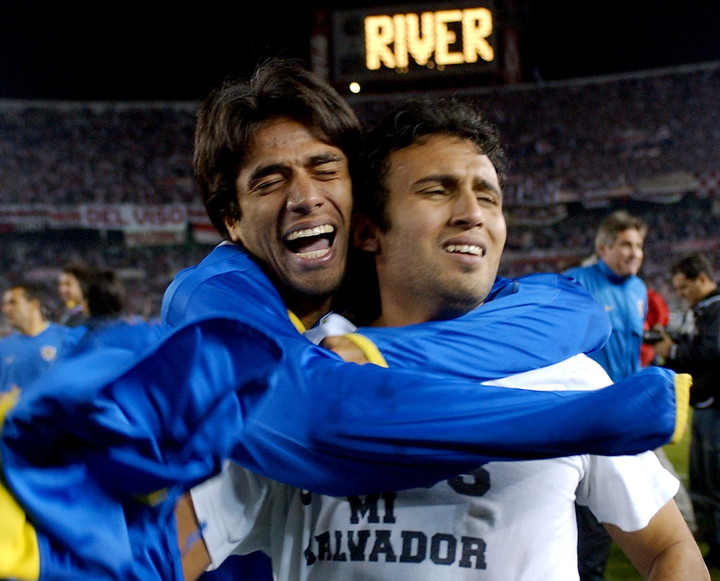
(344, 347)
(662, 347)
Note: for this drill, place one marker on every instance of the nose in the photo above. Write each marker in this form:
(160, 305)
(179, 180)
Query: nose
(304, 195)
(467, 211)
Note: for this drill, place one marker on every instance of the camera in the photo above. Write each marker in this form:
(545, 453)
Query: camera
(653, 336)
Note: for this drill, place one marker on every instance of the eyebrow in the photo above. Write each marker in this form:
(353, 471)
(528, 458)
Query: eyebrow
(266, 170)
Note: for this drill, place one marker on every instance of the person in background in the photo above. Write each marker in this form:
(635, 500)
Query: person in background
(104, 295)
(70, 288)
(657, 317)
(614, 283)
(104, 299)
(698, 352)
(35, 343)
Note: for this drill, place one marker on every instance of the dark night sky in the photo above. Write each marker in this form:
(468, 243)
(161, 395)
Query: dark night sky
(134, 51)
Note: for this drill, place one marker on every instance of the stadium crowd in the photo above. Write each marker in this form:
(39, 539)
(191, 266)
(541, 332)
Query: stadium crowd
(648, 142)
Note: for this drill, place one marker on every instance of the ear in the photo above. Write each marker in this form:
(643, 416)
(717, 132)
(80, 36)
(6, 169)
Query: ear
(230, 223)
(365, 233)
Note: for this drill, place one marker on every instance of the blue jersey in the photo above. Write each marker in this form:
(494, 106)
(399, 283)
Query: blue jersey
(624, 299)
(153, 410)
(25, 357)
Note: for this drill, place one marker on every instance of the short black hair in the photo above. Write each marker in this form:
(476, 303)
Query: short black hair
(104, 293)
(693, 266)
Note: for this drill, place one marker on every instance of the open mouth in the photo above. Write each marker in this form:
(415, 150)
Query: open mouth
(311, 243)
(470, 249)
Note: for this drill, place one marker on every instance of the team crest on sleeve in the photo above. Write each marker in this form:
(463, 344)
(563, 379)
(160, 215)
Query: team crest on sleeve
(48, 352)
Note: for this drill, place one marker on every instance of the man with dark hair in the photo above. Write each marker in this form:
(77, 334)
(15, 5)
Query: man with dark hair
(435, 228)
(70, 288)
(35, 343)
(698, 352)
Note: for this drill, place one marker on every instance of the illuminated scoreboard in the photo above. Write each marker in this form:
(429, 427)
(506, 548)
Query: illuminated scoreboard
(413, 41)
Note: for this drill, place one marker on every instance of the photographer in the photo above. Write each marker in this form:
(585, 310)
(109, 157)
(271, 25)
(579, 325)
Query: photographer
(698, 353)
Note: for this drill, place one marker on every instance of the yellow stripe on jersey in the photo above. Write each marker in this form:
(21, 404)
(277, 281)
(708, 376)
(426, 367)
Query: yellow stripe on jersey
(7, 401)
(297, 322)
(19, 550)
(683, 382)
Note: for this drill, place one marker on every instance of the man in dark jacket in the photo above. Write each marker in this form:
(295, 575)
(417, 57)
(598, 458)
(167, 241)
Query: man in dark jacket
(698, 352)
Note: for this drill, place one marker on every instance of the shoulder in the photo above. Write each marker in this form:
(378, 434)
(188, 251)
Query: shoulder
(558, 290)
(550, 280)
(57, 331)
(711, 303)
(585, 275)
(225, 283)
(224, 259)
(638, 284)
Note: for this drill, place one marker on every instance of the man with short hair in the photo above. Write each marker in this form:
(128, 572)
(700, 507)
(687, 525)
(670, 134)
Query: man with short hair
(36, 342)
(698, 352)
(614, 282)
(435, 227)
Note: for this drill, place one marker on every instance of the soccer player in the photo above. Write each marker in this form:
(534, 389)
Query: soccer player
(35, 343)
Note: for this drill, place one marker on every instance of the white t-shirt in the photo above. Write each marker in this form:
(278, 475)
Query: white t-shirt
(506, 520)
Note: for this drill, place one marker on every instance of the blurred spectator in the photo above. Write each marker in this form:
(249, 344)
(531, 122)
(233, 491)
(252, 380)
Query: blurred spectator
(105, 299)
(70, 288)
(658, 317)
(612, 280)
(698, 353)
(104, 295)
(35, 343)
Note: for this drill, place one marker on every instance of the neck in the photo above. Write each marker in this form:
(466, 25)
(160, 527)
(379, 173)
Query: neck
(308, 310)
(35, 327)
(403, 311)
(710, 288)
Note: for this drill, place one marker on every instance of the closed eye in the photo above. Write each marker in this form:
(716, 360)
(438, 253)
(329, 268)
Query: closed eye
(267, 186)
(328, 169)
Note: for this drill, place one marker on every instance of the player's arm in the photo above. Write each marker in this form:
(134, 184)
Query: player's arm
(664, 550)
(195, 556)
